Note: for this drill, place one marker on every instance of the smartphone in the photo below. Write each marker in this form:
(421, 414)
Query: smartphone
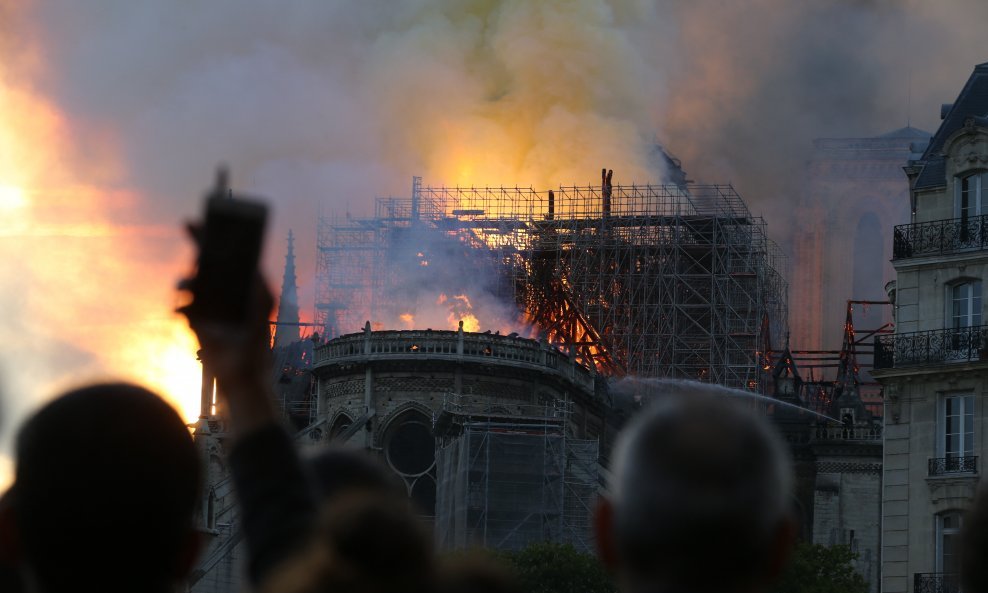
(229, 252)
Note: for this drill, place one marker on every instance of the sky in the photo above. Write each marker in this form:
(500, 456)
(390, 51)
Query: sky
(115, 114)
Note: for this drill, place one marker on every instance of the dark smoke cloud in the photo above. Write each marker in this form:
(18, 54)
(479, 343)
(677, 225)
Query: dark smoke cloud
(759, 80)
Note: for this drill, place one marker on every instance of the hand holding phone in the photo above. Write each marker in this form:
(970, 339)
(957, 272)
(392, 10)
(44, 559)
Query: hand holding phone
(230, 242)
(231, 305)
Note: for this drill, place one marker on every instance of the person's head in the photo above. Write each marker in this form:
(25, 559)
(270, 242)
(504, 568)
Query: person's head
(105, 487)
(366, 542)
(698, 481)
(974, 545)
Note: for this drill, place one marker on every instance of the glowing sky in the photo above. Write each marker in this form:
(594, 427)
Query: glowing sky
(113, 116)
(87, 285)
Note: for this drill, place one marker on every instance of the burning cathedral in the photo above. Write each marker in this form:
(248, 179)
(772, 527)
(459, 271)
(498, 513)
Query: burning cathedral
(469, 337)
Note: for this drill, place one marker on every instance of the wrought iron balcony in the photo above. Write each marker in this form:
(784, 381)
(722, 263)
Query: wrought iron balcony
(962, 344)
(941, 466)
(940, 237)
(936, 582)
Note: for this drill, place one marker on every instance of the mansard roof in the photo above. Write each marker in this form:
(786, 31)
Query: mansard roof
(971, 102)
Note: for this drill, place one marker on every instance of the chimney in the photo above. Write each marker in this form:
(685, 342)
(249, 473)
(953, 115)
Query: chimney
(552, 206)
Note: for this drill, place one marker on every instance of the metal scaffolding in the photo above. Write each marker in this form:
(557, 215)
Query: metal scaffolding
(674, 281)
(509, 476)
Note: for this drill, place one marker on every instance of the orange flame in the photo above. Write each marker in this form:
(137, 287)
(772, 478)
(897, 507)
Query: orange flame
(85, 295)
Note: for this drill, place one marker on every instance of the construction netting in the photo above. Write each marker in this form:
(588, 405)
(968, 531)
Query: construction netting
(505, 486)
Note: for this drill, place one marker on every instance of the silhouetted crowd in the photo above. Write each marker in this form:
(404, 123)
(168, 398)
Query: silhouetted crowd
(108, 478)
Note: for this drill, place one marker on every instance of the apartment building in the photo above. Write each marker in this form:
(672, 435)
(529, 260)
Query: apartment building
(934, 368)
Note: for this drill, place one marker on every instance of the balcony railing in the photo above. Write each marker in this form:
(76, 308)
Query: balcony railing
(963, 344)
(452, 345)
(936, 582)
(941, 466)
(940, 237)
(848, 433)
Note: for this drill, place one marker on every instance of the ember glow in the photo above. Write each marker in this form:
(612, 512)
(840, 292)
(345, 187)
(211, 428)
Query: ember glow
(447, 312)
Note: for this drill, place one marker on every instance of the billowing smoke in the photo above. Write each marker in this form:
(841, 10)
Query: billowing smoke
(336, 102)
(325, 101)
(759, 80)
(330, 103)
(318, 101)
(436, 281)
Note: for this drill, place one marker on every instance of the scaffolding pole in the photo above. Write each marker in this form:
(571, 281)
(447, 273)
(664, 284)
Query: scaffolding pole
(666, 281)
(506, 480)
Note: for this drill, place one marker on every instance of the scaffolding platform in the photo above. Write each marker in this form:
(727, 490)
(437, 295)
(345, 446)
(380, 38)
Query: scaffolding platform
(676, 281)
(508, 479)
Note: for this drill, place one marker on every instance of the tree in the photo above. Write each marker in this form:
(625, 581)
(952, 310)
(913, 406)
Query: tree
(821, 569)
(558, 568)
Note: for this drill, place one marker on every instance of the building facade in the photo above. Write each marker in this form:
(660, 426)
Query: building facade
(430, 404)
(854, 193)
(387, 391)
(835, 441)
(934, 369)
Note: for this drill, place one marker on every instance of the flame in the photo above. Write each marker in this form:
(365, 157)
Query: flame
(562, 326)
(460, 309)
(87, 291)
(470, 323)
(454, 309)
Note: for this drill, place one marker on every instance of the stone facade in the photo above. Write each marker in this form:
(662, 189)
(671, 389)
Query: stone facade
(376, 388)
(935, 367)
(222, 564)
(838, 483)
(383, 391)
(854, 193)
(847, 497)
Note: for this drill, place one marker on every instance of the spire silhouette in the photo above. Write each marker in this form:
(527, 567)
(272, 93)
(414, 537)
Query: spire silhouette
(287, 330)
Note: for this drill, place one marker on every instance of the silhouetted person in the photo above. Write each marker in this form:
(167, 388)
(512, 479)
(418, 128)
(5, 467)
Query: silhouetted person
(105, 488)
(280, 496)
(974, 545)
(699, 499)
(10, 576)
(280, 493)
(365, 542)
